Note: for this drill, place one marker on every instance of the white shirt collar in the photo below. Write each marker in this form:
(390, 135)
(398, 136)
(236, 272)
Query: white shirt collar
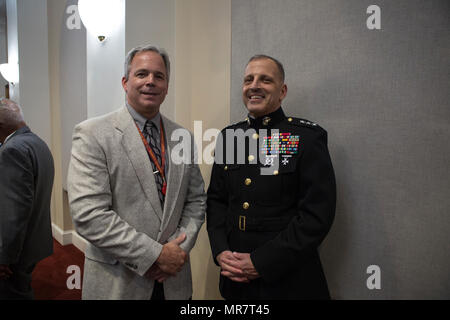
(9, 137)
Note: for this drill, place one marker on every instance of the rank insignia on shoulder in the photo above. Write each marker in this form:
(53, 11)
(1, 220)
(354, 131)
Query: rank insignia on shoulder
(280, 143)
(308, 123)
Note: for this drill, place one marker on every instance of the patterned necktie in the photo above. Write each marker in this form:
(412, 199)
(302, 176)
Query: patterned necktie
(151, 133)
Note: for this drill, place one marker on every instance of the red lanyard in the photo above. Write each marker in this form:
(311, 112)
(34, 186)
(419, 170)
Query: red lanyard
(153, 157)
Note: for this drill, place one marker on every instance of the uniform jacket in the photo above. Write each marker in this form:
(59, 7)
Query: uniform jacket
(115, 207)
(277, 202)
(26, 181)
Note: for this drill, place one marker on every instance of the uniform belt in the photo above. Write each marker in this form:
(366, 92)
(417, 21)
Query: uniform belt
(246, 223)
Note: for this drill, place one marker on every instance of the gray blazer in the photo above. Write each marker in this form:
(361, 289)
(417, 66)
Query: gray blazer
(115, 207)
(26, 182)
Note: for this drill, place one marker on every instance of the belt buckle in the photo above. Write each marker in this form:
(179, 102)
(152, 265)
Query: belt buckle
(242, 223)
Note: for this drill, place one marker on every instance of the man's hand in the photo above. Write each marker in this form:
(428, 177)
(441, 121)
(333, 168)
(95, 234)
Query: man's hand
(231, 267)
(172, 257)
(157, 274)
(246, 265)
(5, 271)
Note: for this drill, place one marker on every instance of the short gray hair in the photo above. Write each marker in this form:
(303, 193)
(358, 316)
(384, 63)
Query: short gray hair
(10, 112)
(136, 50)
(278, 63)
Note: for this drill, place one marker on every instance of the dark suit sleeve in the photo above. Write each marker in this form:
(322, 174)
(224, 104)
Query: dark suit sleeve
(16, 199)
(216, 211)
(316, 209)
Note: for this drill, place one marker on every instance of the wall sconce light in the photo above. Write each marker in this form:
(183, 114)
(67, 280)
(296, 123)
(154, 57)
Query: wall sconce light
(100, 17)
(10, 71)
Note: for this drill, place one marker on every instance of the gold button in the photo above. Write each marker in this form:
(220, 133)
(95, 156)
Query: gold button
(246, 205)
(255, 136)
(248, 181)
(275, 173)
(251, 158)
(226, 168)
(290, 119)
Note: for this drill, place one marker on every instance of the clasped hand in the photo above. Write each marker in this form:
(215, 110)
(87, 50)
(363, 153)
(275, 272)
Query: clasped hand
(170, 261)
(237, 266)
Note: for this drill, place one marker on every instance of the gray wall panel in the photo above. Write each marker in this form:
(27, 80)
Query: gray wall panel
(384, 98)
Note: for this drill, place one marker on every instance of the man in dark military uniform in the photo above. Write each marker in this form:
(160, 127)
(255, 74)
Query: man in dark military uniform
(272, 196)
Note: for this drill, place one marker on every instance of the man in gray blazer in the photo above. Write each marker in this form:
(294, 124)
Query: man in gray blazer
(26, 181)
(138, 209)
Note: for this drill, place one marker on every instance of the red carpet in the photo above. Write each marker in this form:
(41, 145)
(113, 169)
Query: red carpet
(50, 275)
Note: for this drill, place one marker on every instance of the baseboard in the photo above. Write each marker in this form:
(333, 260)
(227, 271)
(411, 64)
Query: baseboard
(68, 237)
(63, 237)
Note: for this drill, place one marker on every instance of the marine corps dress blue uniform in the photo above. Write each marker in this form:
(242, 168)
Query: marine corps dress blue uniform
(278, 206)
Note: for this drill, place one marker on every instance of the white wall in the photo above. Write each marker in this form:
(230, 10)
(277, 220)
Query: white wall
(144, 22)
(153, 22)
(72, 85)
(105, 70)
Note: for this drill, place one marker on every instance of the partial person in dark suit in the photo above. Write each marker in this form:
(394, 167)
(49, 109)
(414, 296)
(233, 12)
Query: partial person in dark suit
(272, 202)
(26, 181)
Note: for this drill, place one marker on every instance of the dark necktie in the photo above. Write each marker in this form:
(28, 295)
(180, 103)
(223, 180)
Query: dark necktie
(150, 133)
